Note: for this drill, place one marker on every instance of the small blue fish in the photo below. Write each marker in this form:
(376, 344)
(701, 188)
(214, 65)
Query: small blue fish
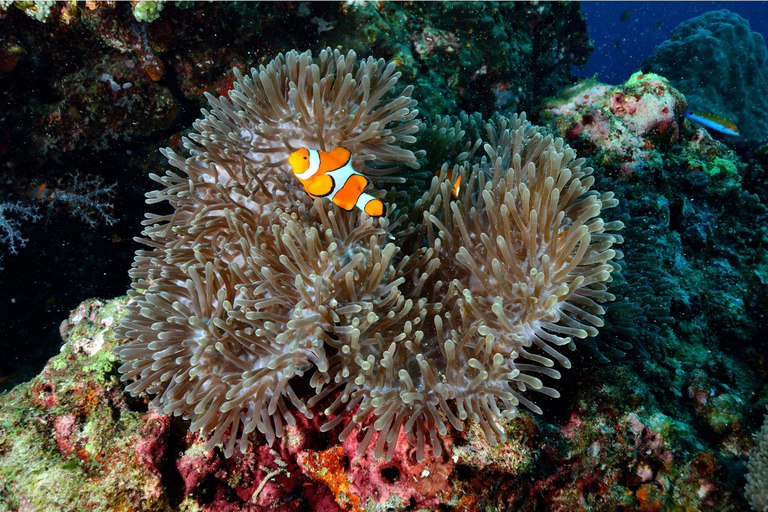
(717, 123)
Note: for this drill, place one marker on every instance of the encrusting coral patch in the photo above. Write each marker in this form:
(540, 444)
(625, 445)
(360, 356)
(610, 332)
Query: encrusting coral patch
(449, 308)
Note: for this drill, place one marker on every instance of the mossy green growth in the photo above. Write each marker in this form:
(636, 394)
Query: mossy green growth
(87, 329)
(371, 34)
(101, 365)
(725, 412)
(514, 456)
(724, 173)
(639, 77)
(147, 10)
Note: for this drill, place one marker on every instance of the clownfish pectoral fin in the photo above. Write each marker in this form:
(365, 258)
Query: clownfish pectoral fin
(456, 188)
(372, 206)
(347, 196)
(319, 186)
(333, 160)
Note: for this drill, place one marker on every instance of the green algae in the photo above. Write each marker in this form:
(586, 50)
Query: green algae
(639, 77)
(724, 174)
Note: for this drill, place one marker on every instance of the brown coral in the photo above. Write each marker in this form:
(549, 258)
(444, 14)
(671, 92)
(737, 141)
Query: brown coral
(450, 306)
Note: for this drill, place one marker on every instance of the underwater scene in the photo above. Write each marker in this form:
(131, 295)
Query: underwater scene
(383, 256)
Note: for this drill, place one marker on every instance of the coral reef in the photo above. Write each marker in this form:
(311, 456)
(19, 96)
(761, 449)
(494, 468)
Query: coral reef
(69, 439)
(720, 65)
(109, 90)
(670, 430)
(474, 56)
(694, 243)
(75, 406)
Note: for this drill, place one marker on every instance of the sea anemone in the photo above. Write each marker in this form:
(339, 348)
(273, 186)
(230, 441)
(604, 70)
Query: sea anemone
(448, 308)
(757, 470)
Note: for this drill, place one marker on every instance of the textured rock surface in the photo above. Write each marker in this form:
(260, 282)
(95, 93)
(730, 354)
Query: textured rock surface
(719, 63)
(624, 128)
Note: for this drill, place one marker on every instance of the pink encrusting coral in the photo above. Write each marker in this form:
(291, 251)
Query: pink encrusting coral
(620, 126)
(433, 40)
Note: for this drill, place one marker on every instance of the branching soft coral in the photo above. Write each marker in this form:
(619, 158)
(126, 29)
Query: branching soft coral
(449, 309)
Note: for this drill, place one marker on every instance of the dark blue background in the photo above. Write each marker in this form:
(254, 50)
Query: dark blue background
(637, 36)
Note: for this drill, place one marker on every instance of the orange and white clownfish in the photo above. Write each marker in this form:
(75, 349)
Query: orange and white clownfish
(456, 181)
(330, 174)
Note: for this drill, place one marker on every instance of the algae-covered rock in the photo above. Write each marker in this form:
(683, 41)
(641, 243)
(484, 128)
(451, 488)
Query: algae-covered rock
(624, 128)
(68, 439)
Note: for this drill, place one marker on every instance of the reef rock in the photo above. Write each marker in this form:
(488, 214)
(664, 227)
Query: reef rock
(719, 63)
(622, 128)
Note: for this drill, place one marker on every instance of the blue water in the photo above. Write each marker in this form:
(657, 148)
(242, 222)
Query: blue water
(641, 34)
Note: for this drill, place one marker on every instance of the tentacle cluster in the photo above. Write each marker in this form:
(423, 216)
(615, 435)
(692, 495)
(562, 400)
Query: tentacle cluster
(451, 309)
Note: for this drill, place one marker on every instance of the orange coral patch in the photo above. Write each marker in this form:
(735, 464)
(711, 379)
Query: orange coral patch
(649, 498)
(468, 503)
(328, 467)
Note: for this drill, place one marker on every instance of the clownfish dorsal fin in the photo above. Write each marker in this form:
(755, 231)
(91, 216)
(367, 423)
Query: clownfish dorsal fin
(332, 160)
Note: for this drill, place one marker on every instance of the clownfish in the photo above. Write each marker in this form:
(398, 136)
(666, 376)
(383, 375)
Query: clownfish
(330, 174)
(456, 181)
(718, 123)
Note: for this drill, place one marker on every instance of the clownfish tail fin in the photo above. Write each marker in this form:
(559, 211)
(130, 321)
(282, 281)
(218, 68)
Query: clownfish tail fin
(372, 206)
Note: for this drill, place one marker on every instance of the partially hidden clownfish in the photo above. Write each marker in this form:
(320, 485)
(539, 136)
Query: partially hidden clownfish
(455, 179)
(330, 174)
